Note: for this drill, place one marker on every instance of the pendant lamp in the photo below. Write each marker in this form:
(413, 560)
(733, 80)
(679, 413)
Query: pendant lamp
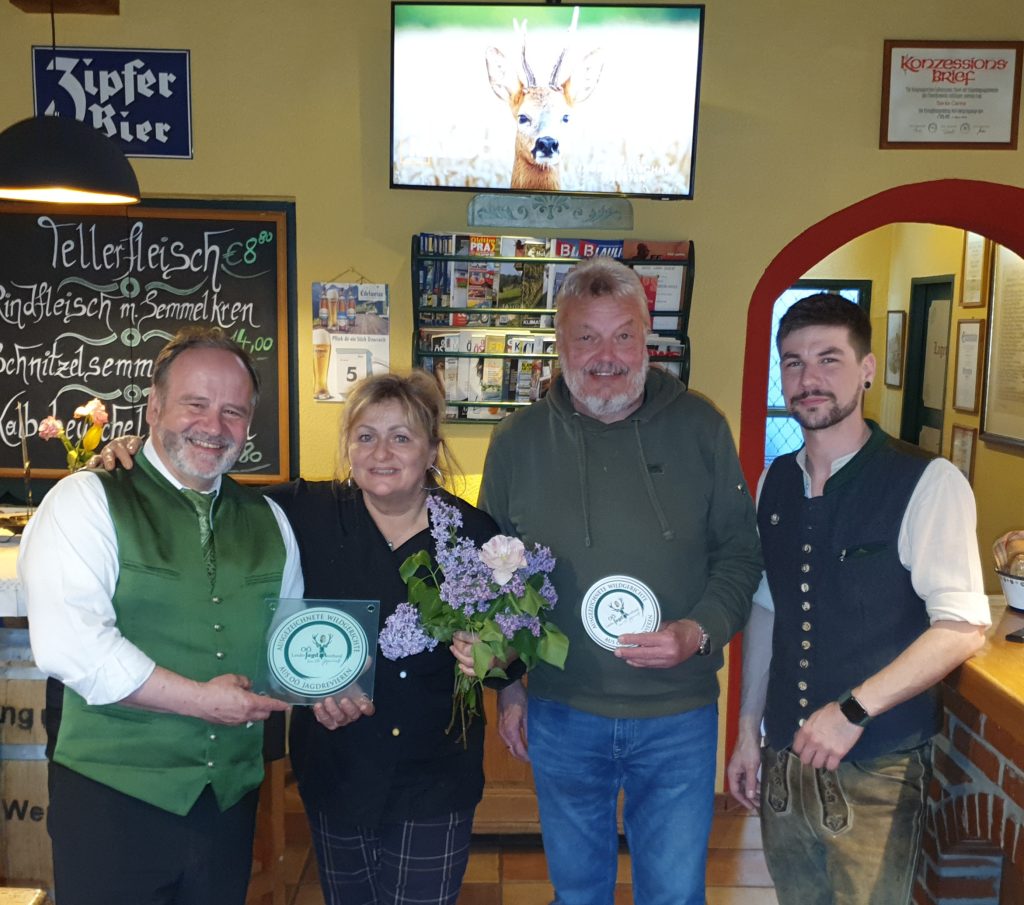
(60, 160)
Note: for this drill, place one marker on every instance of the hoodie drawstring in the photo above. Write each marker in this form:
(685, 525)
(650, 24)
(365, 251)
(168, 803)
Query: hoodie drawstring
(666, 531)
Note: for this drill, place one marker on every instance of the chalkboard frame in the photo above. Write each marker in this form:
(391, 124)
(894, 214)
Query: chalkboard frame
(281, 214)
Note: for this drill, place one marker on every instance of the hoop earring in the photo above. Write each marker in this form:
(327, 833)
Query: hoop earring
(438, 477)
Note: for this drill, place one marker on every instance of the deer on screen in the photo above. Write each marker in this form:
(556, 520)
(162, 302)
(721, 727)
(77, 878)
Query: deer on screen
(542, 112)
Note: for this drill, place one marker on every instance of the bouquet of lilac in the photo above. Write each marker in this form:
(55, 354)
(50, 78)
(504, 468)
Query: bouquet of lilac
(499, 593)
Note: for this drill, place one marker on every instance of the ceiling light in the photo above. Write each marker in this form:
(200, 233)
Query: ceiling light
(61, 160)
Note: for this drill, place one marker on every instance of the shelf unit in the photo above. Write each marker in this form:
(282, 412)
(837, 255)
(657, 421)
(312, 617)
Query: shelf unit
(469, 331)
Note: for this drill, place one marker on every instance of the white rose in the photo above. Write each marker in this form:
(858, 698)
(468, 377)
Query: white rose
(503, 555)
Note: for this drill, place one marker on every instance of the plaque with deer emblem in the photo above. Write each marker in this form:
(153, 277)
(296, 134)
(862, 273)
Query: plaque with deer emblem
(319, 649)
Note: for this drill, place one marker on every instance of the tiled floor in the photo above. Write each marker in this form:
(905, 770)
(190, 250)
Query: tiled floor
(510, 870)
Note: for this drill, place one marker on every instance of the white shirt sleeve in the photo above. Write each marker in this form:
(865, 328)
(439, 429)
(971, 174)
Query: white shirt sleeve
(67, 564)
(939, 545)
(763, 595)
(292, 584)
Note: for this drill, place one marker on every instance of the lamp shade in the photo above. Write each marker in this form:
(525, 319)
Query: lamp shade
(62, 160)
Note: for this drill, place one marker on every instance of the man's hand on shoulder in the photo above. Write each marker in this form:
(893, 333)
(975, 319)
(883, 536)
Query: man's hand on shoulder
(118, 452)
(669, 646)
(826, 737)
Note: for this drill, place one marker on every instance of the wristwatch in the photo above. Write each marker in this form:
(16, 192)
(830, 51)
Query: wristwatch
(703, 642)
(851, 708)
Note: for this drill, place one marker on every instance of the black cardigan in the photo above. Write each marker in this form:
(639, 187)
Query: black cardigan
(398, 764)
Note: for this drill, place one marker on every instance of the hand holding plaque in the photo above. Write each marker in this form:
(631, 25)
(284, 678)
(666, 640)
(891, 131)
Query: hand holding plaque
(323, 649)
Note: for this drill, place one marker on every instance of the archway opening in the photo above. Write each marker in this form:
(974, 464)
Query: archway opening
(990, 209)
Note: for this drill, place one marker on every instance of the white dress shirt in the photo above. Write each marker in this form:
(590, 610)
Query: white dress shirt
(68, 566)
(937, 544)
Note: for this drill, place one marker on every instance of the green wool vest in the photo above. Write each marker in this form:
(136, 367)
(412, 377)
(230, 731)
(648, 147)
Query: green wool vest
(165, 606)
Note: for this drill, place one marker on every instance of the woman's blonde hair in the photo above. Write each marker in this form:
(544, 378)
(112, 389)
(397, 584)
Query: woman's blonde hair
(424, 408)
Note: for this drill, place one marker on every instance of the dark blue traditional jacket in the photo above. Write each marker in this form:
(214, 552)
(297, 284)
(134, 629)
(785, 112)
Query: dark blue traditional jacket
(844, 603)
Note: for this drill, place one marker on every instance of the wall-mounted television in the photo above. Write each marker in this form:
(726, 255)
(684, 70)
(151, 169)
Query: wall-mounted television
(585, 99)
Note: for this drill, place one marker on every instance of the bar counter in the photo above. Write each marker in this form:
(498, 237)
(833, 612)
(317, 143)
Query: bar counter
(974, 833)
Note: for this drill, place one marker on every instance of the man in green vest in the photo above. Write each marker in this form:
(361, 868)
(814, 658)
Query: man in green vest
(146, 596)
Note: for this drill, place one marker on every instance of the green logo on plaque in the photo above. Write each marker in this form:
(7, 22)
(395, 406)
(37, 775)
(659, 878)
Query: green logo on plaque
(317, 652)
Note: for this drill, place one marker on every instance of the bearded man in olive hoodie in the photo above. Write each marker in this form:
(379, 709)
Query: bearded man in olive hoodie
(635, 485)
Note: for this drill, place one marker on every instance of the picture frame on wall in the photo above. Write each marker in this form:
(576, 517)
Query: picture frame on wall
(895, 342)
(1002, 410)
(961, 449)
(970, 340)
(961, 95)
(974, 274)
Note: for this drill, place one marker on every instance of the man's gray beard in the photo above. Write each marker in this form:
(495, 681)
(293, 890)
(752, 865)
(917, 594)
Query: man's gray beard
(602, 407)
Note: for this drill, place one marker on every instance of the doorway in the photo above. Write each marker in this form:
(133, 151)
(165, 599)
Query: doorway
(924, 389)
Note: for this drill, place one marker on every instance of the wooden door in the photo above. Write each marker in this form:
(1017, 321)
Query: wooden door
(509, 804)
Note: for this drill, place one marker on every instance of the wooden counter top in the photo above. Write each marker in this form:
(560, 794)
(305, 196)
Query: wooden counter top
(993, 680)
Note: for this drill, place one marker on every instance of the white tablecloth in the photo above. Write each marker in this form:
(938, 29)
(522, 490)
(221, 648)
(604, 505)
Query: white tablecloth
(12, 602)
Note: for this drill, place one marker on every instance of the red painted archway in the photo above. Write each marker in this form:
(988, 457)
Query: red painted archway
(994, 210)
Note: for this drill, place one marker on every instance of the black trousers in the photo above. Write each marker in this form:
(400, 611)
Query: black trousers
(112, 849)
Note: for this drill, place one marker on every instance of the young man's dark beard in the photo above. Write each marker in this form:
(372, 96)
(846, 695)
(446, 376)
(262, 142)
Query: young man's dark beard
(821, 420)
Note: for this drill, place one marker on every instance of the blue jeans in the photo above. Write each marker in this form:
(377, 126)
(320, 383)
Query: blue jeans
(848, 837)
(665, 766)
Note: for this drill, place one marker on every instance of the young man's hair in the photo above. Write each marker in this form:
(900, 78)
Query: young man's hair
(828, 309)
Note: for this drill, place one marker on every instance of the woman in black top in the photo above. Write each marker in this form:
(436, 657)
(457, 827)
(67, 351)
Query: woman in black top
(389, 793)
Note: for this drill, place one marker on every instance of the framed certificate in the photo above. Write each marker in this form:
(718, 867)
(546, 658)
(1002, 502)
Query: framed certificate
(1002, 413)
(977, 262)
(970, 338)
(950, 94)
(961, 452)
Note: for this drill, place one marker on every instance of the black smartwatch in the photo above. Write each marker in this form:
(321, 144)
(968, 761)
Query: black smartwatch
(851, 708)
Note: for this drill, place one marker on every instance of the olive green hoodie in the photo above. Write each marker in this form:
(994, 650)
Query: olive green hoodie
(658, 496)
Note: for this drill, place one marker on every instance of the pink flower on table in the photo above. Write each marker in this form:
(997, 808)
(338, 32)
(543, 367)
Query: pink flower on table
(50, 428)
(503, 556)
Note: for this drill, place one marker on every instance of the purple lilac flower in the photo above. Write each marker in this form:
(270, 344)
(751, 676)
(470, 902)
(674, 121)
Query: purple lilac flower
(403, 634)
(548, 592)
(443, 520)
(510, 623)
(540, 559)
(468, 590)
(516, 585)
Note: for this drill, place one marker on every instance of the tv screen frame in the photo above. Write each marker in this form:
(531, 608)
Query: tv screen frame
(546, 98)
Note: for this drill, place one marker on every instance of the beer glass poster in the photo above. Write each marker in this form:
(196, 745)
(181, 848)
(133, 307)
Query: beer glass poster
(351, 336)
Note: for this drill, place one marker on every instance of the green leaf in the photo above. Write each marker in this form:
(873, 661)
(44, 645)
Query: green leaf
(554, 646)
(532, 603)
(482, 656)
(419, 559)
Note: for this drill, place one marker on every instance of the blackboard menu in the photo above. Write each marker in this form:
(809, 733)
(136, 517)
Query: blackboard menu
(88, 298)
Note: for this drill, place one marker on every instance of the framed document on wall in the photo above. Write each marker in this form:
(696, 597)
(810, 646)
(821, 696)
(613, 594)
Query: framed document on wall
(977, 262)
(950, 94)
(1002, 415)
(961, 452)
(970, 337)
(895, 329)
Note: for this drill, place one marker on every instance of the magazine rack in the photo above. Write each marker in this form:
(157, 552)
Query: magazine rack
(483, 312)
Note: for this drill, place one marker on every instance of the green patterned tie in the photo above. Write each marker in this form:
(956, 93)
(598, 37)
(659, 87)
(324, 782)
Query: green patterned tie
(203, 504)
